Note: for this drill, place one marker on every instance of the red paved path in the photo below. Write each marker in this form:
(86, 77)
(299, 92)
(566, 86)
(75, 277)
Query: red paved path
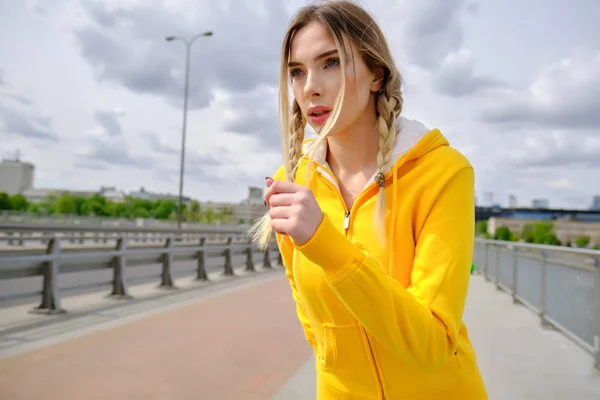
(241, 345)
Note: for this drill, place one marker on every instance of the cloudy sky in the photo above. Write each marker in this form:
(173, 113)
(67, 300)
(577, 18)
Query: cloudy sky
(92, 94)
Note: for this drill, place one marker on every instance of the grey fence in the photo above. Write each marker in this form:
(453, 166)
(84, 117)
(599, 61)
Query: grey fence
(560, 284)
(18, 217)
(20, 234)
(51, 254)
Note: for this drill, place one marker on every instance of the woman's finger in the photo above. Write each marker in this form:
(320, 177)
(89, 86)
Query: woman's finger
(279, 213)
(280, 199)
(281, 187)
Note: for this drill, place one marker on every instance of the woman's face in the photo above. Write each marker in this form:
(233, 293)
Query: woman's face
(315, 72)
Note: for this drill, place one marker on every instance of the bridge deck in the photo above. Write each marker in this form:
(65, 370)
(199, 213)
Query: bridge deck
(245, 343)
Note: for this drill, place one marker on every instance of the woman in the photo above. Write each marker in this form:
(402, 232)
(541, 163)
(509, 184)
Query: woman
(374, 219)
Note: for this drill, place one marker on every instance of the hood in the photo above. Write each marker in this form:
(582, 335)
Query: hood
(413, 139)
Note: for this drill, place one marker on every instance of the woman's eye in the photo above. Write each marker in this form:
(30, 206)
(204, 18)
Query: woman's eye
(295, 73)
(332, 62)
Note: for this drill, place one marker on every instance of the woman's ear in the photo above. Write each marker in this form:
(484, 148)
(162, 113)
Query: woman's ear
(378, 78)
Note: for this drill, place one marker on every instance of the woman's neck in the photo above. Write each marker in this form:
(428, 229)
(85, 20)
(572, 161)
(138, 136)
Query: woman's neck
(354, 151)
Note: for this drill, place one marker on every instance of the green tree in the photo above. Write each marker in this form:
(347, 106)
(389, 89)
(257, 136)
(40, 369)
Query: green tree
(65, 204)
(18, 202)
(527, 233)
(5, 201)
(163, 209)
(79, 202)
(95, 205)
(502, 233)
(481, 228)
(194, 206)
(540, 233)
(47, 205)
(141, 213)
(120, 210)
(208, 215)
(552, 239)
(582, 241)
(225, 214)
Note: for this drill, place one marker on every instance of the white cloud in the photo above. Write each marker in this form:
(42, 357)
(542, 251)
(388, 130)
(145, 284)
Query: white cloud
(565, 94)
(92, 93)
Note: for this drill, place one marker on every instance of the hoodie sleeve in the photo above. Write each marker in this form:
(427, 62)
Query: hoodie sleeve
(420, 323)
(286, 249)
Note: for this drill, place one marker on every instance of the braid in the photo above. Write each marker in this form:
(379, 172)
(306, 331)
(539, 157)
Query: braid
(260, 231)
(296, 138)
(389, 106)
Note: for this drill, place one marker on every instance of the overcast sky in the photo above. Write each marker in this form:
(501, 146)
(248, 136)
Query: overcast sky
(92, 94)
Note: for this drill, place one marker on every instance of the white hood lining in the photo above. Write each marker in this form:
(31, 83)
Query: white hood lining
(409, 133)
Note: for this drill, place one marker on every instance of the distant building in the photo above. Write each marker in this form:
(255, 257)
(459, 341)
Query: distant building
(143, 194)
(539, 203)
(512, 201)
(488, 199)
(247, 210)
(111, 193)
(16, 176)
(255, 196)
(596, 203)
(108, 192)
(566, 230)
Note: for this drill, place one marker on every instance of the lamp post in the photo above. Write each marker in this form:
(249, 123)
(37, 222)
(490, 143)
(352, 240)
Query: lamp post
(188, 44)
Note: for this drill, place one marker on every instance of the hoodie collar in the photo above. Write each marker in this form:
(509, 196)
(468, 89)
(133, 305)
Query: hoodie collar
(409, 133)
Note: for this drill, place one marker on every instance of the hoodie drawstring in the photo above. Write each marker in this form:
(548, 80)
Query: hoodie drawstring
(392, 228)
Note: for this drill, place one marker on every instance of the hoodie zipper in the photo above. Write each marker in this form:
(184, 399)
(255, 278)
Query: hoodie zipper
(325, 172)
(328, 176)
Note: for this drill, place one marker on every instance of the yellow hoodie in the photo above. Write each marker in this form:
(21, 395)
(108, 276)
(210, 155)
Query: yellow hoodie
(387, 323)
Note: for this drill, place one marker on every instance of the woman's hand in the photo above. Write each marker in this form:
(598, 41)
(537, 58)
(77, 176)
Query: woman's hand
(294, 210)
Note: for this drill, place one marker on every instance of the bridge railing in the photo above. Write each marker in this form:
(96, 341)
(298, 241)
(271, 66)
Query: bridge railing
(560, 284)
(19, 234)
(50, 257)
(19, 217)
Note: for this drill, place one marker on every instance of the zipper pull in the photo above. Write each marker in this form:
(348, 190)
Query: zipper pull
(347, 220)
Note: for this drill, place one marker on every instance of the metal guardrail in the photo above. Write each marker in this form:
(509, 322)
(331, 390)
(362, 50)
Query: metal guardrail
(73, 220)
(175, 245)
(18, 234)
(560, 284)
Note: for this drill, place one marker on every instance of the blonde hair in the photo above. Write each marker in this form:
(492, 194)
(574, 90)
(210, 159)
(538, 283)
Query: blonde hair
(343, 19)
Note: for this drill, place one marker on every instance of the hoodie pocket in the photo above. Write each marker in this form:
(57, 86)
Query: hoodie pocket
(345, 365)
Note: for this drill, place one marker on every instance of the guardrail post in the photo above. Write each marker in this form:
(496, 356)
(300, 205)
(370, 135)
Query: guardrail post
(267, 259)
(542, 312)
(167, 261)
(249, 261)
(120, 289)
(515, 273)
(485, 264)
(228, 264)
(596, 328)
(497, 261)
(201, 274)
(51, 303)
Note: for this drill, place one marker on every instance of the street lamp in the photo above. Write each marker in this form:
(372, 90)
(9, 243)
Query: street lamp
(188, 44)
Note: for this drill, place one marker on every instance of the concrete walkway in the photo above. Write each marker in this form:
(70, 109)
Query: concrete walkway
(518, 358)
(234, 344)
(240, 339)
